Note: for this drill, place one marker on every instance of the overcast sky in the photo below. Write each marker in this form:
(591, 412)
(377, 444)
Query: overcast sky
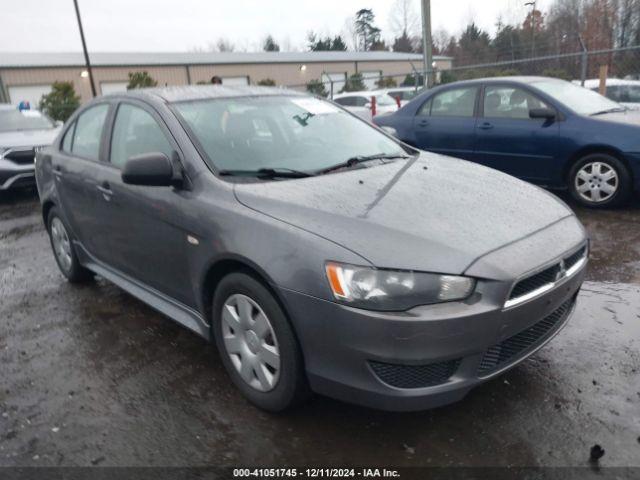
(182, 25)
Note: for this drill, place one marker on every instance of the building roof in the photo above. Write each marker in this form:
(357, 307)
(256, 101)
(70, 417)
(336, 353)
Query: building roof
(104, 59)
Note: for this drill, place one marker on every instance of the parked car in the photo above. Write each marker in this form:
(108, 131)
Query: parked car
(360, 103)
(625, 92)
(403, 94)
(21, 134)
(543, 130)
(317, 252)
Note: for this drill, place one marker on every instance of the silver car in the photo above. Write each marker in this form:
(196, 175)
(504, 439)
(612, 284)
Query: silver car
(317, 252)
(21, 134)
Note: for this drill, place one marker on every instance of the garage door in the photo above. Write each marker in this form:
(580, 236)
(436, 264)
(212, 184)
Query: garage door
(338, 80)
(370, 79)
(235, 81)
(113, 87)
(29, 93)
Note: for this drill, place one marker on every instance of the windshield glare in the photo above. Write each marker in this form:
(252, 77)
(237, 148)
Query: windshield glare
(15, 120)
(581, 100)
(294, 132)
(385, 99)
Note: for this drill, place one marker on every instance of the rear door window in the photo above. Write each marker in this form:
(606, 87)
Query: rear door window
(458, 102)
(88, 132)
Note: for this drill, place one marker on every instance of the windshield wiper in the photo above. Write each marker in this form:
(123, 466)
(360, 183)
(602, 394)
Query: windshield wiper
(276, 172)
(610, 110)
(350, 162)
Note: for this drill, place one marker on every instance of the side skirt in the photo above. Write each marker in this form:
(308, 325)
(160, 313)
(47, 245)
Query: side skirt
(177, 311)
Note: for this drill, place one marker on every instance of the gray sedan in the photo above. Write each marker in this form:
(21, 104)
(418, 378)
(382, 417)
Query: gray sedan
(318, 253)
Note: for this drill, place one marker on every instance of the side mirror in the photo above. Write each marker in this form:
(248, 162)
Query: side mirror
(59, 123)
(546, 113)
(149, 169)
(367, 105)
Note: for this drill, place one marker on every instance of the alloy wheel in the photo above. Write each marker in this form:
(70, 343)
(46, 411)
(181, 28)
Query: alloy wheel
(250, 342)
(596, 182)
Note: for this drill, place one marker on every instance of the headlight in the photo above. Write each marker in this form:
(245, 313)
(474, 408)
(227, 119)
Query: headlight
(392, 290)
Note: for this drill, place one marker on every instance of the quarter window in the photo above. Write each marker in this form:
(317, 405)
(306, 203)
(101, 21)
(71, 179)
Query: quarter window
(459, 102)
(136, 132)
(509, 102)
(88, 132)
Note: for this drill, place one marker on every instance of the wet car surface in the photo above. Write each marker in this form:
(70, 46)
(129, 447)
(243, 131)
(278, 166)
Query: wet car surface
(91, 376)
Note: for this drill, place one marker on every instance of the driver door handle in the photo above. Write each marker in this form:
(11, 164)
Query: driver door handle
(423, 123)
(485, 126)
(106, 191)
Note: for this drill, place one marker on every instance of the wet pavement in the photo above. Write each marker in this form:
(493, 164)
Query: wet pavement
(91, 376)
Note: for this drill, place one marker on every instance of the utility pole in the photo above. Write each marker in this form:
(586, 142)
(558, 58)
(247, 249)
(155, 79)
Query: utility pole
(533, 26)
(427, 56)
(84, 49)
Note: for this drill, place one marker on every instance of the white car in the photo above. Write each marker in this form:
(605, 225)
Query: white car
(22, 132)
(404, 94)
(625, 92)
(360, 103)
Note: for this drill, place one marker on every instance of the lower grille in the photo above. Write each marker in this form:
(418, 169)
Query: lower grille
(415, 376)
(508, 350)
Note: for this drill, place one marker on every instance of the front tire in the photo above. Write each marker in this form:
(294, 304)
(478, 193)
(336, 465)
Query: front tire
(64, 251)
(257, 344)
(600, 180)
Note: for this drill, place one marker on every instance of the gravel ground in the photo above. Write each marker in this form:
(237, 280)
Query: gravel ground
(91, 376)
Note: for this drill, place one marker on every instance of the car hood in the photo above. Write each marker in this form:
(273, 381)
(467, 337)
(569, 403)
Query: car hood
(431, 213)
(28, 138)
(629, 117)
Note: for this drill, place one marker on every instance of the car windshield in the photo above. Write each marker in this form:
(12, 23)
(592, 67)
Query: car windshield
(581, 100)
(15, 120)
(284, 132)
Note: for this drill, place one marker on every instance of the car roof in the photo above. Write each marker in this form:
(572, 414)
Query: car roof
(361, 93)
(203, 92)
(513, 79)
(595, 82)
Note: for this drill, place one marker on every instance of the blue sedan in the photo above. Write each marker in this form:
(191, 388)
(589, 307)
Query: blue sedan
(543, 130)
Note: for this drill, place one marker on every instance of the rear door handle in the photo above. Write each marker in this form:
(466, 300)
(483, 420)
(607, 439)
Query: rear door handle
(57, 171)
(485, 126)
(423, 123)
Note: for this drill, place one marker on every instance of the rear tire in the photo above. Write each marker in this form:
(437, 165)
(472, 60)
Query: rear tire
(600, 180)
(64, 250)
(257, 344)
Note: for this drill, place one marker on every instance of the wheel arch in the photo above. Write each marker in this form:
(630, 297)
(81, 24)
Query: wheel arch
(221, 267)
(590, 149)
(46, 208)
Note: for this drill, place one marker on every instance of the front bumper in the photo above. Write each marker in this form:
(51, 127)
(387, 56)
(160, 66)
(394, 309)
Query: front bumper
(16, 175)
(391, 360)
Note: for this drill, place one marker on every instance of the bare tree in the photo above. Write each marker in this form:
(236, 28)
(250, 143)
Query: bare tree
(403, 18)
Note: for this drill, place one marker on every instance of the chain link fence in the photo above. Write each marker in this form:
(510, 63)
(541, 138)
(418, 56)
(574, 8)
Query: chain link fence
(581, 67)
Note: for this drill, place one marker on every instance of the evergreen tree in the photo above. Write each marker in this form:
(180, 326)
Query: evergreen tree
(354, 84)
(368, 33)
(61, 102)
(140, 80)
(317, 88)
(270, 45)
(403, 43)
